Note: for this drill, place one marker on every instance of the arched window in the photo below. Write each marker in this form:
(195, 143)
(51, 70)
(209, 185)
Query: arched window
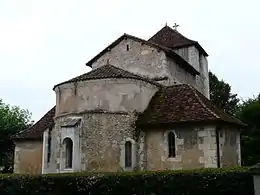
(68, 152)
(128, 154)
(171, 145)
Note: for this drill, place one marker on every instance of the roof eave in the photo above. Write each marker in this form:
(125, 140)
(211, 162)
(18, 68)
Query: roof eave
(21, 139)
(113, 44)
(186, 66)
(196, 44)
(200, 122)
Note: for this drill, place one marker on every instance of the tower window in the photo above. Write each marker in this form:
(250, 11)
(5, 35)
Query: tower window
(128, 154)
(171, 145)
(68, 152)
(127, 47)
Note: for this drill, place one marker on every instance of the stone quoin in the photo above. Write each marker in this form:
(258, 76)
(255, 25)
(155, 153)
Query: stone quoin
(144, 106)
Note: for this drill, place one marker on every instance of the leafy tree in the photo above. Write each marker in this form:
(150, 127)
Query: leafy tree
(220, 94)
(249, 113)
(12, 120)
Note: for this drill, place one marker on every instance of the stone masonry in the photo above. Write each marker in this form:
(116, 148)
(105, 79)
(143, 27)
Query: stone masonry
(119, 116)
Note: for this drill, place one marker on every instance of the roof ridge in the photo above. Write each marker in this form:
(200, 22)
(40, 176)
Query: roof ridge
(172, 38)
(175, 31)
(201, 102)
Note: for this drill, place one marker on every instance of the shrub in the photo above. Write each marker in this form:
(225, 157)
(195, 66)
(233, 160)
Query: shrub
(236, 181)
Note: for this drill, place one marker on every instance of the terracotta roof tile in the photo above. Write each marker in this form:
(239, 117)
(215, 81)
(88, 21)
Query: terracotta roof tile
(170, 105)
(108, 71)
(36, 131)
(180, 104)
(171, 38)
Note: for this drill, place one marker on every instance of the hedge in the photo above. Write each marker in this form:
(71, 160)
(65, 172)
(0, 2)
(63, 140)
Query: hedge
(236, 181)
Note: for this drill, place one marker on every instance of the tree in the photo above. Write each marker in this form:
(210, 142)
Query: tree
(249, 113)
(12, 120)
(220, 94)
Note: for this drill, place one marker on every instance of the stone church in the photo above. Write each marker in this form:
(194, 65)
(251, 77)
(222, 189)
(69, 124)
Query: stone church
(144, 106)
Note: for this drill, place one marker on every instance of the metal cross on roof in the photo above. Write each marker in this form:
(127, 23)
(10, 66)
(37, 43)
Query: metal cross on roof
(175, 26)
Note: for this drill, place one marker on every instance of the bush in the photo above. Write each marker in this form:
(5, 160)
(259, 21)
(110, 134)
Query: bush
(236, 181)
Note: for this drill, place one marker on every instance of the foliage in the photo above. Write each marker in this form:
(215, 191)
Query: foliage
(220, 94)
(197, 182)
(249, 113)
(12, 120)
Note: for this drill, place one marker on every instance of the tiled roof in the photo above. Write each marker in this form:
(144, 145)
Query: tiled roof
(182, 103)
(171, 38)
(170, 105)
(108, 71)
(169, 52)
(36, 131)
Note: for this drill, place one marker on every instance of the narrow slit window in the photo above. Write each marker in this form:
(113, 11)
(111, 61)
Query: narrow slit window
(68, 152)
(171, 145)
(128, 154)
(49, 146)
(127, 47)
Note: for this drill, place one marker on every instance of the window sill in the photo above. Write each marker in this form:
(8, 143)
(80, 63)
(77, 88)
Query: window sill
(174, 159)
(128, 169)
(67, 170)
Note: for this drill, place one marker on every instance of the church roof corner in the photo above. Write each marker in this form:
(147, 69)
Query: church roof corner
(35, 132)
(171, 38)
(182, 104)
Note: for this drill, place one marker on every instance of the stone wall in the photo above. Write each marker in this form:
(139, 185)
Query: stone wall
(179, 75)
(114, 95)
(229, 140)
(28, 157)
(150, 62)
(199, 62)
(139, 59)
(195, 148)
(103, 140)
(99, 142)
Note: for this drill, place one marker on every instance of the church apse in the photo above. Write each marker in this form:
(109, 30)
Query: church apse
(107, 95)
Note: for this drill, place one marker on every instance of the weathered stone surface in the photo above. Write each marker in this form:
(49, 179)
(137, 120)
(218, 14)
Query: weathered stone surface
(108, 94)
(98, 141)
(199, 62)
(192, 149)
(28, 157)
(229, 147)
(147, 61)
(140, 59)
(99, 116)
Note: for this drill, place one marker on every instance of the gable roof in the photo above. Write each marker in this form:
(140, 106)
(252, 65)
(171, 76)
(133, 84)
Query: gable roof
(169, 52)
(182, 103)
(171, 38)
(108, 71)
(36, 131)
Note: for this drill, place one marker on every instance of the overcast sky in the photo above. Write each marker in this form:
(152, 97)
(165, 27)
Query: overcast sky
(45, 42)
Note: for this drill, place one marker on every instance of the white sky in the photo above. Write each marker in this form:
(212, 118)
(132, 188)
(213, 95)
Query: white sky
(45, 42)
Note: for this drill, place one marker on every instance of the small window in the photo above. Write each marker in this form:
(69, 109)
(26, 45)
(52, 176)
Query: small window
(171, 145)
(127, 47)
(68, 152)
(49, 146)
(128, 154)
